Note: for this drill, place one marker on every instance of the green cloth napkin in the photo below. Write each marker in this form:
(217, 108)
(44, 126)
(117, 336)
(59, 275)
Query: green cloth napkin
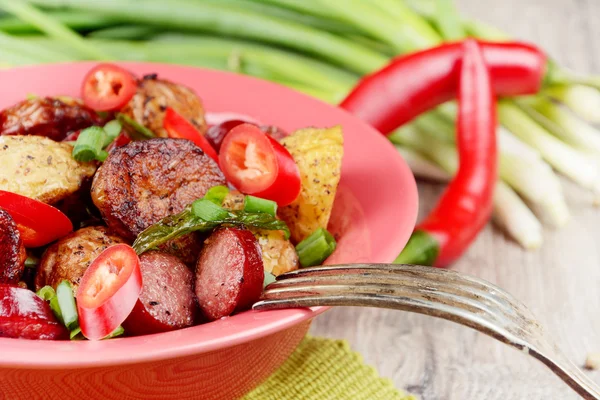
(326, 369)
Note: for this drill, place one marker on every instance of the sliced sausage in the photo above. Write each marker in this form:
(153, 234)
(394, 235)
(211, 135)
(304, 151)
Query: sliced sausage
(12, 251)
(149, 104)
(229, 273)
(167, 300)
(24, 315)
(145, 181)
(40, 168)
(72, 255)
(46, 116)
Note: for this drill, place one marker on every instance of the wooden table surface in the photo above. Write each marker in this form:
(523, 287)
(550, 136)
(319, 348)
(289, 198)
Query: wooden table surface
(438, 360)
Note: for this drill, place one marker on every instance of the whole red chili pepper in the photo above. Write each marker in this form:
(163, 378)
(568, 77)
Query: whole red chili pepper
(413, 84)
(466, 205)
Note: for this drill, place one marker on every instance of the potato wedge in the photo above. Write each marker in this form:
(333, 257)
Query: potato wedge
(40, 168)
(318, 153)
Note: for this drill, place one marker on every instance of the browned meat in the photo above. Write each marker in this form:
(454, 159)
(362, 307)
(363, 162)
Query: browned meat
(167, 300)
(12, 251)
(229, 273)
(70, 256)
(145, 181)
(46, 116)
(152, 98)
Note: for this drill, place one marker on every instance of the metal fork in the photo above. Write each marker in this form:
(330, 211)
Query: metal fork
(463, 299)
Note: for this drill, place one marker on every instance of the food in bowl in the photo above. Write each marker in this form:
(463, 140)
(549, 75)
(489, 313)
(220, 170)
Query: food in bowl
(128, 214)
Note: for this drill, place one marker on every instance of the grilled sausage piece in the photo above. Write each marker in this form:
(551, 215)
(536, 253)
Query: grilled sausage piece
(40, 168)
(12, 251)
(167, 300)
(46, 116)
(24, 315)
(70, 256)
(153, 96)
(145, 181)
(229, 273)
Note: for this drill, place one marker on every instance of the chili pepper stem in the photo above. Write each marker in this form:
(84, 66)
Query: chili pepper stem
(421, 249)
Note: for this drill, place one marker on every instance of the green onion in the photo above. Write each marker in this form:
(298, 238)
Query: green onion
(53, 28)
(269, 278)
(422, 167)
(448, 20)
(137, 131)
(112, 130)
(129, 32)
(208, 211)
(76, 20)
(117, 332)
(256, 204)
(512, 214)
(48, 294)
(563, 124)
(228, 20)
(66, 302)
(76, 334)
(89, 144)
(316, 248)
(398, 31)
(576, 165)
(217, 194)
(582, 100)
(31, 261)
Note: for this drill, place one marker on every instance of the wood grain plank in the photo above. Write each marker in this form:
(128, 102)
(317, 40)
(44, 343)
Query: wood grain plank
(439, 360)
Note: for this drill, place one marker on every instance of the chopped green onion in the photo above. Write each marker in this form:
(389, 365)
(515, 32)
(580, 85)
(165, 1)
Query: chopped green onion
(137, 131)
(48, 294)
(269, 278)
(112, 130)
(208, 211)
(217, 194)
(31, 262)
(117, 332)
(102, 156)
(66, 302)
(76, 334)
(89, 144)
(316, 248)
(31, 96)
(256, 204)
(448, 20)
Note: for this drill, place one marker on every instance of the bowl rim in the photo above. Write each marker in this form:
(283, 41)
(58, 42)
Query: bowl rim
(18, 353)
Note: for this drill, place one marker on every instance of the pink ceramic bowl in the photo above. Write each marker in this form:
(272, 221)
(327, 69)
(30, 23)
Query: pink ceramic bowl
(374, 215)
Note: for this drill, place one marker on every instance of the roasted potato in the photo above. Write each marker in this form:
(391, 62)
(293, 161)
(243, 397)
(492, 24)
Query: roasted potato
(318, 153)
(153, 96)
(278, 254)
(70, 257)
(40, 168)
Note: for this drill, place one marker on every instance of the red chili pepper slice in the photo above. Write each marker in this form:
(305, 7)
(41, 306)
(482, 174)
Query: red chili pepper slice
(120, 140)
(38, 223)
(257, 164)
(413, 84)
(466, 205)
(180, 128)
(107, 87)
(108, 291)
